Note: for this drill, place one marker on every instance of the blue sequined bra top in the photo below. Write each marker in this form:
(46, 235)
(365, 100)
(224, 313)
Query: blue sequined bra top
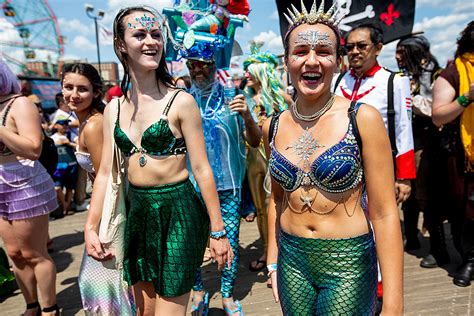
(337, 169)
(157, 140)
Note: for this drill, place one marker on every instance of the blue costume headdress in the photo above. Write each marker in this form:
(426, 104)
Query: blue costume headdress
(204, 31)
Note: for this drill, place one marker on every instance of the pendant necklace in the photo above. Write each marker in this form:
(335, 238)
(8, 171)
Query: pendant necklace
(304, 147)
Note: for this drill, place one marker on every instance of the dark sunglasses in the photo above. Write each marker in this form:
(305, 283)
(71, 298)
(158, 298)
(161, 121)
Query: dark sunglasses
(360, 46)
(197, 63)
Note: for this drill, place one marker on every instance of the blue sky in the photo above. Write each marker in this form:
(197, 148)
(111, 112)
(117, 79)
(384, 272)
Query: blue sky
(441, 21)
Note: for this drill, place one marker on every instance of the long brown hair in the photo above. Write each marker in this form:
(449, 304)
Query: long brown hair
(161, 73)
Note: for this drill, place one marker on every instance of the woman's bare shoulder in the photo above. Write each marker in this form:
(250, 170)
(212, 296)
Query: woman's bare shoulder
(367, 114)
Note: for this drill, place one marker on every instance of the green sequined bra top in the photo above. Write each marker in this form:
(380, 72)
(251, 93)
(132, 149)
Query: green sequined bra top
(157, 140)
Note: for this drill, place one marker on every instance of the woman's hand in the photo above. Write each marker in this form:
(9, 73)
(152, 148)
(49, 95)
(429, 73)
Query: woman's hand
(221, 252)
(94, 248)
(273, 276)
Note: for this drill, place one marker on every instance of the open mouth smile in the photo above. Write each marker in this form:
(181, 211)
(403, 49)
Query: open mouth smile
(311, 77)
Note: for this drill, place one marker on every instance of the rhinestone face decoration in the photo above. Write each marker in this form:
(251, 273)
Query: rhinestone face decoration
(314, 38)
(145, 21)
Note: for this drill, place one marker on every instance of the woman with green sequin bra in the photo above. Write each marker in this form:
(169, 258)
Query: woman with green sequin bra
(322, 254)
(167, 222)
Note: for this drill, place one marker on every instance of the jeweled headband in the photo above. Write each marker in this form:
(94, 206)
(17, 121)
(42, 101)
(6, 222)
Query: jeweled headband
(314, 16)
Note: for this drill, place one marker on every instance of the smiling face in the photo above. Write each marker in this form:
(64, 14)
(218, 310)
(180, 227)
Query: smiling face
(143, 41)
(78, 92)
(312, 58)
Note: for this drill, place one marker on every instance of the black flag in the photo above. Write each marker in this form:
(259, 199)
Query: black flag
(395, 17)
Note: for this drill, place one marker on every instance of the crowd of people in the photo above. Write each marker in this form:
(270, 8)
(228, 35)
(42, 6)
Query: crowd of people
(324, 170)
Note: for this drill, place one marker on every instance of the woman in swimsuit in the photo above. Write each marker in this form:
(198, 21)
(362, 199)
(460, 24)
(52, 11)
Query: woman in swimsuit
(27, 196)
(322, 255)
(103, 292)
(155, 126)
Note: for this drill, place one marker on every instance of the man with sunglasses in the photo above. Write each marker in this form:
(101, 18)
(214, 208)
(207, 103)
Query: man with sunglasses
(225, 128)
(369, 83)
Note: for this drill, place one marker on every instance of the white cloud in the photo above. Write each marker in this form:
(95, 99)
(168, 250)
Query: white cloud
(441, 4)
(75, 25)
(387, 56)
(274, 15)
(272, 41)
(439, 22)
(83, 43)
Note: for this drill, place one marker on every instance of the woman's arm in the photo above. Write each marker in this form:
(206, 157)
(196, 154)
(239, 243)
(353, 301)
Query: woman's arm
(190, 125)
(446, 108)
(91, 228)
(273, 209)
(383, 211)
(27, 142)
(93, 139)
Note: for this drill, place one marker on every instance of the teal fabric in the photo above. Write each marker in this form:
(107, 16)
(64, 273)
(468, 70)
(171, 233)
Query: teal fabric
(327, 276)
(165, 237)
(230, 214)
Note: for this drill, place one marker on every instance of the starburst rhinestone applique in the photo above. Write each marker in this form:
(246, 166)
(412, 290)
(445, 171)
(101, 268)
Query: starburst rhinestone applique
(304, 147)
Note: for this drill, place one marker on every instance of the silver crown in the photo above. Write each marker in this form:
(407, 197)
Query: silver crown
(315, 15)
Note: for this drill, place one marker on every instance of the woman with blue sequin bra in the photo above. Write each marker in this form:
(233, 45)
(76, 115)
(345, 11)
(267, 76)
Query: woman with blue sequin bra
(325, 154)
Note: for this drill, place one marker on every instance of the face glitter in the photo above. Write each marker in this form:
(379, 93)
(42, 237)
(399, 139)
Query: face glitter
(145, 21)
(313, 39)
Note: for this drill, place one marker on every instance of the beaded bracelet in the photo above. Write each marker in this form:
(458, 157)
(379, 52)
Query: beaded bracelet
(271, 268)
(218, 235)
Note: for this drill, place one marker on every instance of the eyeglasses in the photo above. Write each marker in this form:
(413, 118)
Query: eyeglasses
(360, 46)
(197, 63)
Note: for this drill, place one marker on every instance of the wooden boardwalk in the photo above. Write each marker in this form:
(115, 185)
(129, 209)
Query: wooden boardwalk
(427, 291)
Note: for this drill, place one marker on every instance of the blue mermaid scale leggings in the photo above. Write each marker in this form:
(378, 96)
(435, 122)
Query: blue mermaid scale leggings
(230, 204)
(327, 276)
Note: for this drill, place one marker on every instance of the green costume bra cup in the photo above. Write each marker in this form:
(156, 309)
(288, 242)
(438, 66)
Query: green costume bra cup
(157, 140)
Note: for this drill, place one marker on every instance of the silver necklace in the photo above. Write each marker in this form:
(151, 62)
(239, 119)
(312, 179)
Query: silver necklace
(315, 115)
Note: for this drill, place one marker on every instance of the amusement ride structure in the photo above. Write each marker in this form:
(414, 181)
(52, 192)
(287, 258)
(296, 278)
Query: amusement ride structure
(30, 33)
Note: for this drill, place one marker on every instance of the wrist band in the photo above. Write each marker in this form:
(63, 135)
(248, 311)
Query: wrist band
(218, 235)
(271, 268)
(463, 101)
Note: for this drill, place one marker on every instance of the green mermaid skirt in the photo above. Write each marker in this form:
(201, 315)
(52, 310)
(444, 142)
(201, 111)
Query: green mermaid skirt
(165, 237)
(327, 276)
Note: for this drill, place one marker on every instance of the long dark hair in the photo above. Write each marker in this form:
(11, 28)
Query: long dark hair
(88, 71)
(161, 73)
(417, 57)
(466, 40)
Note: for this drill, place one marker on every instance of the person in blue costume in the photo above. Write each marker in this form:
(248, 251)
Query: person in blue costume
(324, 153)
(226, 127)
